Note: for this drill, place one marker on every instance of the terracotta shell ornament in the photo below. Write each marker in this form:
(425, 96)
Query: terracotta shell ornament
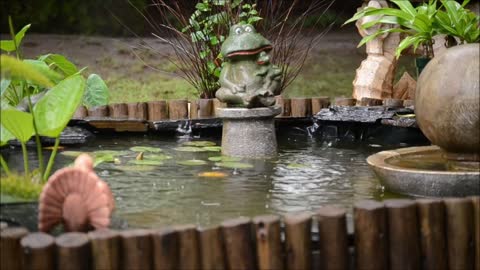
(77, 198)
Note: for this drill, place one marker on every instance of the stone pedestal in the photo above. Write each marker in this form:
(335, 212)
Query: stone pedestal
(249, 133)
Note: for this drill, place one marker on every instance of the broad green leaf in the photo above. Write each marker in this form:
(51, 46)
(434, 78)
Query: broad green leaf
(405, 6)
(61, 62)
(5, 135)
(146, 149)
(190, 149)
(43, 68)
(156, 157)
(9, 45)
(96, 93)
(192, 162)
(18, 123)
(213, 148)
(22, 69)
(224, 159)
(202, 6)
(57, 107)
(199, 143)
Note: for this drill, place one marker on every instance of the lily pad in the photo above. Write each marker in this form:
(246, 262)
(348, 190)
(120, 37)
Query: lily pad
(72, 153)
(213, 148)
(192, 162)
(103, 158)
(297, 166)
(234, 165)
(199, 143)
(224, 159)
(156, 157)
(146, 149)
(109, 152)
(190, 149)
(146, 162)
(136, 168)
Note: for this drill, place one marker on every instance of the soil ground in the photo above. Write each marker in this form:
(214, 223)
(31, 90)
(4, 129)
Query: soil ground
(134, 73)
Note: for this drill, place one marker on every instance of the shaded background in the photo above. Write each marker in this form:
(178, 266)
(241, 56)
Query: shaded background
(97, 17)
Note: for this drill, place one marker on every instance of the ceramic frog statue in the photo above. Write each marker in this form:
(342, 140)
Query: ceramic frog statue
(247, 79)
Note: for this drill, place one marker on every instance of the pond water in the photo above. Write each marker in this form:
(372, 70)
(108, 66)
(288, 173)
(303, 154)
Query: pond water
(307, 174)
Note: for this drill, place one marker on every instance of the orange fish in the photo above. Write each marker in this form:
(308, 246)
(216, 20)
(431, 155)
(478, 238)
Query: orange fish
(212, 174)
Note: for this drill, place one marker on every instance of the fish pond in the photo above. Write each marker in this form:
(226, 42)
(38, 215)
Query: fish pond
(163, 180)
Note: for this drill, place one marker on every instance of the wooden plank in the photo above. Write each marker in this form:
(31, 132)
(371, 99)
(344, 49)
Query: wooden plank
(404, 242)
(118, 111)
(136, 249)
(333, 238)
(120, 125)
(157, 110)
(189, 250)
(178, 109)
(301, 107)
(270, 253)
(298, 241)
(431, 215)
(105, 246)
(10, 248)
(98, 111)
(137, 111)
(211, 248)
(476, 218)
(285, 104)
(459, 220)
(319, 103)
(73, 251)
(371, 241)
(38, 251)
(239, 245)
(165, 249)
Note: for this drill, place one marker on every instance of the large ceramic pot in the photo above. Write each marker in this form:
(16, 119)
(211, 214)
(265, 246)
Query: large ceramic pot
(447, 101)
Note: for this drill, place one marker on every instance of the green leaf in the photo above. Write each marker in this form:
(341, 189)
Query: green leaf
(9, 45)
(96, 93)
(213, 148)
(224, 159)
(190, 149)
(146, 149)
(15, 67)
(202, 6)
(4, 84)
(254, 19)
(57, 107)
(61, 62)
(192, 162)
(199, 143)
(146, 162)
(43, 68)
(18, 123)
(405, 6)
(5, 135)
(136, 168)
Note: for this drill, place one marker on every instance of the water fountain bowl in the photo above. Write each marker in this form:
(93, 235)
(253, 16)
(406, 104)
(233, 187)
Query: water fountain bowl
(425, 171)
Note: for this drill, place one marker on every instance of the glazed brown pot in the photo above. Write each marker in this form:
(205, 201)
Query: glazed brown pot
(447, 101)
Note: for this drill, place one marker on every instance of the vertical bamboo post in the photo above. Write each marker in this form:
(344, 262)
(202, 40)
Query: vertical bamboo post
(136, 249)
(118, 110)
(178, 109)
(98, 111)
(165, 249)
(157, 110)
(365, 101)
(333, 243)
(431, 215)
(218, 104)
(319, 103)
(211, 247)
(105, 249)
(10, 248)
(301, 107)
(38, 251)
(476, 218)
(73, 251)
(371, 241)
(269, 243)
(137, 110)
(459, 233)
(342, 101)
(189, 251)
(298, 241)
(403, 234)
(285, 104)
(80, 113)
(239, 245)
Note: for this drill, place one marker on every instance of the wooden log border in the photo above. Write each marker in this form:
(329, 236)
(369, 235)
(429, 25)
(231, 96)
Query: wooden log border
(393, 234)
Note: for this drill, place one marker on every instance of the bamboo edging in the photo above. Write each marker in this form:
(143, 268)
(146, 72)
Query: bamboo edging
(394, 234)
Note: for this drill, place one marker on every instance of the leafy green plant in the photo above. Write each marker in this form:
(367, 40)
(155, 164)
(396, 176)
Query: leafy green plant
(196, 38)
(52, 88)
(420, 24)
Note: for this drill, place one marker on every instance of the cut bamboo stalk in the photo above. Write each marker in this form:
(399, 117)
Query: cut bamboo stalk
(476, 217)
(269, 243)
(285, 104)
(201, 109)
(365, 101)
(301, 107)
(178, 109)
(118, 110)
(105, 249)
(165, 249)
(157, 110)
(239, 247)
(98, 111)
(298, 241)
(189, 253)
(404, 236)
(431, 215)
(38, 251)
(137, 110)
(136, 249)
(333, 243)
(211, 246)
(319, 103)
(459, 220)
(393, 103)
(217, 104)
(10, 248)
(341, 101)
(371, 241)
(73, 251)
(80, 113)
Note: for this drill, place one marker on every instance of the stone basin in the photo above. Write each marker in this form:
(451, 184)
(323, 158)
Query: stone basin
(424, 171)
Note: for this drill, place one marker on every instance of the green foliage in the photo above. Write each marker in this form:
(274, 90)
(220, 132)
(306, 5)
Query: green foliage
(18, 123)
(96, 93)
(21, 186)
(13, 44)
(421, 23)
(57, 107)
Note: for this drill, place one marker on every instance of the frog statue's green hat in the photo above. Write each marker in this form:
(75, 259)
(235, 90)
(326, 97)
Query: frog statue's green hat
(243, 39)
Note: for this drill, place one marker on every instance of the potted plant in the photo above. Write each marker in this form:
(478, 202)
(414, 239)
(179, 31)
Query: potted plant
(420, 24)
